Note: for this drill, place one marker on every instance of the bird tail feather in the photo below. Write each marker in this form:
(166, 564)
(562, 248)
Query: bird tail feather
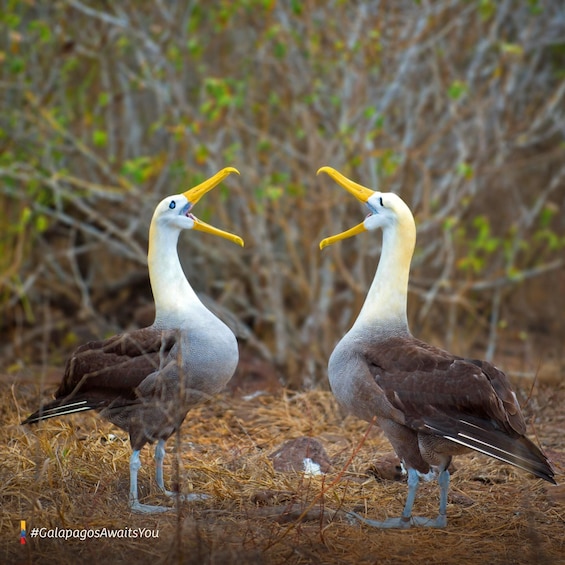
(517, 451)
(60, 407)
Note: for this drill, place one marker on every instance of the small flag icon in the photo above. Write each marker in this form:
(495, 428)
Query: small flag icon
(22, 532)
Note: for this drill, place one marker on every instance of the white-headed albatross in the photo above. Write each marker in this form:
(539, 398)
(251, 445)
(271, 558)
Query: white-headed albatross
(430, 404)
(145, 381)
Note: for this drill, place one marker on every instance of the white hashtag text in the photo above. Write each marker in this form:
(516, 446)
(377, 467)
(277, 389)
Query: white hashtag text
(93, 533)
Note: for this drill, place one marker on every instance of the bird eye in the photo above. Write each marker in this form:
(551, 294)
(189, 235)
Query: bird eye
(381, 201)
(172, 205)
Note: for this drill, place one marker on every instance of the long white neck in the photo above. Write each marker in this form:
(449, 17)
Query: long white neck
(175, 299)
(384, 308)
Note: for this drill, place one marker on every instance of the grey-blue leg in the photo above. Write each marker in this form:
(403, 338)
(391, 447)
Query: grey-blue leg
(443, 481)
(159, 457)
(406, 520)
(413, 482)
(135, 505)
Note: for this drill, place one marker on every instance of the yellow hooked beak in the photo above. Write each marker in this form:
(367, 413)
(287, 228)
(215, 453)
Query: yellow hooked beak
(360, 192)
(195, 194)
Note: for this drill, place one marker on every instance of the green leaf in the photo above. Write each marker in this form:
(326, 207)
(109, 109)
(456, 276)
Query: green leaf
(449, 223)
(535, 8)
(25, 217)
(279, 50)
(296, 6)
(487, 9)
(42, 29)
(103, 99)
(465, 170)
(546, 215)
(11, 20)
(457, 89)
(137, 169)
(512, 48)
(99, 138)
(273, 192)
(41, 223)
(16, 65)
(194, 47)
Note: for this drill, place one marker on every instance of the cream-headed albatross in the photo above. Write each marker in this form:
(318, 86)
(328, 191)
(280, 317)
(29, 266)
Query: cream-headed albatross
(430, 404)
(145, 381)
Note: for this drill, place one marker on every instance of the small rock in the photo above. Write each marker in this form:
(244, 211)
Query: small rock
(303, 454)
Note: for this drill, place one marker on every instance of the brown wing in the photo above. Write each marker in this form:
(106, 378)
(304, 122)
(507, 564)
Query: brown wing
(428, 384)
(102, 372)
(466, 401)
(118, 364)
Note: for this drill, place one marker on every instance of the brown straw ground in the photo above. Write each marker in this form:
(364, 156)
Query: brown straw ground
(72, 473)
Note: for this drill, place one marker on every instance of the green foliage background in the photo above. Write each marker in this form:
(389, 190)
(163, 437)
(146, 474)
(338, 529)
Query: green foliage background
(458, 106)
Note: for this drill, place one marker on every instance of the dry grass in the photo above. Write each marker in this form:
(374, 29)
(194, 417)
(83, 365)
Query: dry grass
(73, 473)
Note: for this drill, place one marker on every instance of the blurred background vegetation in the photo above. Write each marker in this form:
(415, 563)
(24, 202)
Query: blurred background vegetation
(458, 106)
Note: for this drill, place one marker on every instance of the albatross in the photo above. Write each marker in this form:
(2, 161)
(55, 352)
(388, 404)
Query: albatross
(145, 381)
(430, 404)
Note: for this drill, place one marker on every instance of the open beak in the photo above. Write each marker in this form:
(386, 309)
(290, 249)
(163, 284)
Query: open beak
(195, 194)
(203, 226)
(360, 192)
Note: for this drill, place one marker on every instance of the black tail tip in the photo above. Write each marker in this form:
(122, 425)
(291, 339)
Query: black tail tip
(550, 478)
(33, 419)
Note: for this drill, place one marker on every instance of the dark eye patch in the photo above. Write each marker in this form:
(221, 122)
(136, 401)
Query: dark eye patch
(172, 205)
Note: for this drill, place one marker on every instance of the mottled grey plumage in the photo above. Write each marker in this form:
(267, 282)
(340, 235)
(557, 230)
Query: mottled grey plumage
(145, 381)
(430, 404)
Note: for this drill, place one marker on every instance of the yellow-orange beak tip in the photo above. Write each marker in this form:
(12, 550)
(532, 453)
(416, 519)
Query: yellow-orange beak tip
(196, 193)
(324, 169)
(360, 192)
